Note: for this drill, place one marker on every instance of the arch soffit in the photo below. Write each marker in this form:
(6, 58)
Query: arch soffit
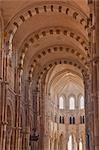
(40, 71)
(63, 73)
(50, 31)
(54, 30)
(37, 8)
(64, 85)
(57, 72)
(59, 10)
(39, 58)
(53, 53)
(22, 19)
(27, 47)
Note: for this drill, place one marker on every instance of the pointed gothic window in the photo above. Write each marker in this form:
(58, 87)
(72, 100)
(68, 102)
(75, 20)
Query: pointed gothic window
(71, 103)
(82, 102)
(61, 103)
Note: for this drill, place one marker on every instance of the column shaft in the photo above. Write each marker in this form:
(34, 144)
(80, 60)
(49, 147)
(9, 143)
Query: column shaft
(96, 78)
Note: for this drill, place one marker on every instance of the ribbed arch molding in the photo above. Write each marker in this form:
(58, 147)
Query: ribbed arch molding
(50, 33)
(44, 8)
(58, 49)
(39, 72)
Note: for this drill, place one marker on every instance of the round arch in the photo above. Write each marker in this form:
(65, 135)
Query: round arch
(36, 9)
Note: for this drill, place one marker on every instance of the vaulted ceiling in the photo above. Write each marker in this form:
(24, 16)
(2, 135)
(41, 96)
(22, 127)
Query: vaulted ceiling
(64, 80)
(47, 33)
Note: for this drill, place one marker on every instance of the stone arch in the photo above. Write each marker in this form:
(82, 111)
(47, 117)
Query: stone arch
(45, 68)
(60, 74)
(52, 31)
(79, 52)
(43, 89)
(53, 62)
(29, 12)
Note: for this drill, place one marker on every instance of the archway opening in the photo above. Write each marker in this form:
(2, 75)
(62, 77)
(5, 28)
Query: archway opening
(65, 106)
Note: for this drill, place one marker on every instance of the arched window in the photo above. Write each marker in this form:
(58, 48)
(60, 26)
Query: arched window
(61, 119)
(82, 102)
(70, 120)
(83, 119)
(70, 145)
(80, 145)
(73, 120)
(61, 103)
(71, 103)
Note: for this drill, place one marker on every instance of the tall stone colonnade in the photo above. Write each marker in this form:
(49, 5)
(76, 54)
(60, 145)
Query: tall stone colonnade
(23, 100)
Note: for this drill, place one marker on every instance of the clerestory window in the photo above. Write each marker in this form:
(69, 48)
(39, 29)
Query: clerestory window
(82, 102)
(61, 103)
(71, 103)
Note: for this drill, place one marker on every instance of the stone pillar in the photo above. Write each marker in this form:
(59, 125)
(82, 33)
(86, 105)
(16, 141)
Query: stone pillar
(89, 119)
(2, 85)
(57, 145)
(42, 116)
(3, 103)
(1, 44)
(67, 143)
(17, 109)
(75, 144)
(47, 142)
(12, 139)
(52, 145)
(8, 144)
(96, 77)
(27, 137)
(28, 100)
(78, 142)
(63, 143)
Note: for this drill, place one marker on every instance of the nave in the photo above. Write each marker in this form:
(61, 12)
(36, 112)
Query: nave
(49, 68)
